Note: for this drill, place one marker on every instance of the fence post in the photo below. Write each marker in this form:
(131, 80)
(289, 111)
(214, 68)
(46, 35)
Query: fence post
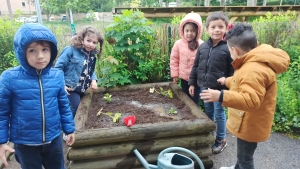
(169, 40)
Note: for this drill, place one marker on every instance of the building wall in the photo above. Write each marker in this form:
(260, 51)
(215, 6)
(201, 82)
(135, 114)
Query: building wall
(26, 7)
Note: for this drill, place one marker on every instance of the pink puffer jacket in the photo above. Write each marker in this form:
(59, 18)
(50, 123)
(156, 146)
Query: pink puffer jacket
(182, 58)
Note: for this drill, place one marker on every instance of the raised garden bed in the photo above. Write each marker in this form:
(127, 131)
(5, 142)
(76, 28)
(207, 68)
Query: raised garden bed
(104, 144)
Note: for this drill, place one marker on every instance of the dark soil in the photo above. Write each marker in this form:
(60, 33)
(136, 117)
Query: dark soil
(145, 106)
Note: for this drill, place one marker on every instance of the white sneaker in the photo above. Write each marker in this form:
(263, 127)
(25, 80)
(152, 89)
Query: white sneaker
(232, 167)
(65, 137)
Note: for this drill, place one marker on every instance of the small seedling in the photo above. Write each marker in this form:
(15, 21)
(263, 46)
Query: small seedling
(172, 111)
(99, 112)
(107, 97)
(162, 92)
(115, 116)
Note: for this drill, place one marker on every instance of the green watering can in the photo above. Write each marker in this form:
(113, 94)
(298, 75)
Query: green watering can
(168, 160)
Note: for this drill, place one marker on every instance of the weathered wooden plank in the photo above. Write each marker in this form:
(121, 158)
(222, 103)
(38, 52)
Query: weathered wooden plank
(145, 146)
(142, 131)
(128, 162)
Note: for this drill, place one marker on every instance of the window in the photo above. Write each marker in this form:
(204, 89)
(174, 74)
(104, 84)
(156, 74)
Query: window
(23, 4)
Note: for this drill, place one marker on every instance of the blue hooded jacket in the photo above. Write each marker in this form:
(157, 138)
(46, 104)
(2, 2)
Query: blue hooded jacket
(34, 107)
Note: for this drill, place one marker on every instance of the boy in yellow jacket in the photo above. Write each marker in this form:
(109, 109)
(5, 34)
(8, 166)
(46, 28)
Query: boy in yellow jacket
(251, 99)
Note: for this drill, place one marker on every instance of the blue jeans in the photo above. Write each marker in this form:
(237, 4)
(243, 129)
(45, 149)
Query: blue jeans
(74, 99)
(245, 152)
(215, 111)
(50, 156)
(185, 88)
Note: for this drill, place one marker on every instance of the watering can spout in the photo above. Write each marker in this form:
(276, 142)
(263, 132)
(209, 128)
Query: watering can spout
(143, 161)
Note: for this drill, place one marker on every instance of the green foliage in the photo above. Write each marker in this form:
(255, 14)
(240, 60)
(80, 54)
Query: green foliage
(166, 93)
(270, 27)
(172, 111)
(131, 37)
(7, 56)
(282, 31)
(177, 19)
(107, 97)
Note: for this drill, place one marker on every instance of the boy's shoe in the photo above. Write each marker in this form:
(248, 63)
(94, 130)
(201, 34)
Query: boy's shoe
(219, 146)
(65, 137)
(232, 167)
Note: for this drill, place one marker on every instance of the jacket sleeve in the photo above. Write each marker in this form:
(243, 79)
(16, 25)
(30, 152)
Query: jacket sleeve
(251, 91)
(94, 77)
(66, 115)
(174, 61)
(229, 65)
(5, 109)
(193, 75)
(62, 60)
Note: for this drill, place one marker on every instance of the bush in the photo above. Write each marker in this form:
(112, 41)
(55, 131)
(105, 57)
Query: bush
(7, 31)
(282, 31)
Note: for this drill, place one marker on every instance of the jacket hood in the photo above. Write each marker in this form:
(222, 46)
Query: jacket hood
(275, 58)
(29, 33)
(194, 18)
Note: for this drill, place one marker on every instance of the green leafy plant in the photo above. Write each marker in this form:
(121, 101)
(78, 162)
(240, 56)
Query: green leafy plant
(107, 97)
(7, 30)
(172, 111)
(115, 116)
(166, 93)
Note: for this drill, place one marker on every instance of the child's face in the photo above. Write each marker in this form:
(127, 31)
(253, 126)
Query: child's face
(189, 32)
(216, 29)
(90, 42)
(38, 55)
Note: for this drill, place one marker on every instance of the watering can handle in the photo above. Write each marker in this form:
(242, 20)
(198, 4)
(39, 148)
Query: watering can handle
(183, 150)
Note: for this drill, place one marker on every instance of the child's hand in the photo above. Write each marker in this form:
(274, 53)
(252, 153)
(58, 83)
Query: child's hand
(210, 95)
(175, 80)
(94, 85)
(3, 149)
(221, 80)
(70, 139)
(191, 90)
(67, 90)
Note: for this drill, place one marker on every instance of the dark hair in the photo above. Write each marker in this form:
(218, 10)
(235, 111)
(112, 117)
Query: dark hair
(194, 44)
(242, 36)
(45, 43)
(78, 38)
(216, 16)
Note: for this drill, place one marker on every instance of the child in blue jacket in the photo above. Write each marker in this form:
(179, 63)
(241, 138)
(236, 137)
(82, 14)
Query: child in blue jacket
(34, 107)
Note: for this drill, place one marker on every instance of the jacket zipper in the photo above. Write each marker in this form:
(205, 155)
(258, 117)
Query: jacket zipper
(207, 64)
(43, 108)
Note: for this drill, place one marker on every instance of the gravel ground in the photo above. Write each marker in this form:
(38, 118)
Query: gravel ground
(279, 152)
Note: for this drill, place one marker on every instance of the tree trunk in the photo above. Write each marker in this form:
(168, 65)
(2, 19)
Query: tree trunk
(222, 2)
(160, 2)
(198, 2)
(264, 2)
(9, 10)
(178, 2)
(206, 2)
(251, 2)
(167, 3)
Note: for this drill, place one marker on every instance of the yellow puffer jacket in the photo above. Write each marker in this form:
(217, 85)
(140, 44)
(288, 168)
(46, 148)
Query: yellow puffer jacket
(251, 99)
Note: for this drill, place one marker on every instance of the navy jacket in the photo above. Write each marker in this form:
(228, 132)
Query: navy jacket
(34, 107)
(211, 63)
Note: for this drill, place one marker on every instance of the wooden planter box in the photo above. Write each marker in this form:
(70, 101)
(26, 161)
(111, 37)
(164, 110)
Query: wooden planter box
(108, 148)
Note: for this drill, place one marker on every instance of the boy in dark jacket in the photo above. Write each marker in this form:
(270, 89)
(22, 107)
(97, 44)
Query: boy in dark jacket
(34, 107)
(212, 62)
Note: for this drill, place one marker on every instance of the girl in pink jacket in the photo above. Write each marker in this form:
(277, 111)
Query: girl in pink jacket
(184, 52)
